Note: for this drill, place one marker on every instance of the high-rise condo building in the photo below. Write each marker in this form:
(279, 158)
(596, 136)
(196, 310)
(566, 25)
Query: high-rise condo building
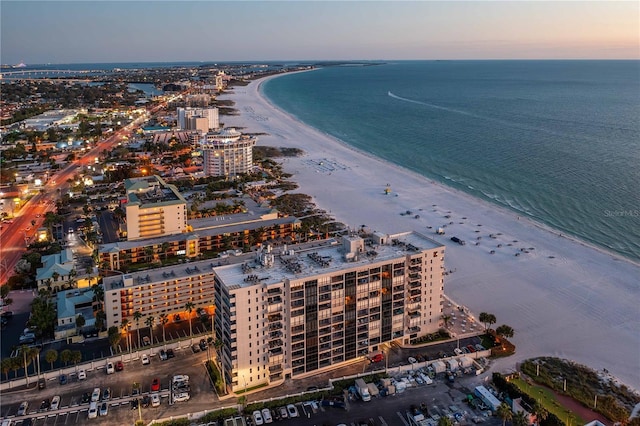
(227, 153)
(211, 114)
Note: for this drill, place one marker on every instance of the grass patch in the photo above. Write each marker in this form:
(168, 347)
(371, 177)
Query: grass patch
(216, 377)
(547, 399)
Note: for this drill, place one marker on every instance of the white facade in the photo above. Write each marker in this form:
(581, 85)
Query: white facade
(211, 114)
(154, 208)
(227, 153)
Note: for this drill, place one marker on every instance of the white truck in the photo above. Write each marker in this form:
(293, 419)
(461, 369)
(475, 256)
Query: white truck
(363, 390)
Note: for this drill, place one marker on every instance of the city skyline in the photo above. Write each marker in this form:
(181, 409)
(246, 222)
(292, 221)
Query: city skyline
(36, 32)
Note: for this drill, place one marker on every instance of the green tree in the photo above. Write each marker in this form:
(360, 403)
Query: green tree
(6, 365)
(487, 319)
(539, 412)
(504, 412)
(80, 322)
(114, 337)
(137, 315)
(98, 295)
(101, 317)
(445, 421)
(27, 356)
(189, 308)
(217, 345)
(150, 321)
(520, 419)
(16, 364)
(125, 327)
(51, 356)
(504, 331)
(164, 319)
(65, 356)
(43, 316)
(76, 357)
(446, 318)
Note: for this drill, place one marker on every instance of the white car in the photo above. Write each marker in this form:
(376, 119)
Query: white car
(181, 397)
(412, 360)
(155, 400)
(110, 368)
(93, 410)
(266, 415)
(95, 396)
(22, 410)
(145, 359)
(82, 375)
(55, 402)
(257, 418)
(293, 411)
(180, 378)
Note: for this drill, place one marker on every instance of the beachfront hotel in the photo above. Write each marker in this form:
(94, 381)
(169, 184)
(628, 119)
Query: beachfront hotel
(227, 153)
(210, 118)
(153, 208)
(294, 310)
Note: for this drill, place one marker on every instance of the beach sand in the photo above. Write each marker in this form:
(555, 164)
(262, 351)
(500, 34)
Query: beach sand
(563, 297)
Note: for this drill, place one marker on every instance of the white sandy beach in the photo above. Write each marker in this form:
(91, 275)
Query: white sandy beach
(563, 298)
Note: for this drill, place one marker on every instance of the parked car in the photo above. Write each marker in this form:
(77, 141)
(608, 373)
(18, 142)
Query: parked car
(155, 385)
(266, 415)
(86, 397)
(93, 410)
(55, 402)
(170, 353)
(44, 405)
(42, 383)
(471, 348)
(257, 418)
(95, 396)
(292, 410)
(63, 379)
(119, 366)
(146, 341)
(181, 397)
(195, 348)
(155, 400)
(22, 410)
(162, 355)
(146, 401)
(104, 409)
(106, 394)
(134, 404)
(82, 375)
(282, 412)
(110, 368)
(203, 345)
(479, 347)
(412, 360)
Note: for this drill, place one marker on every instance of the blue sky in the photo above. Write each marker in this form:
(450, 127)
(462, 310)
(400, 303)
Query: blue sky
(146, 31)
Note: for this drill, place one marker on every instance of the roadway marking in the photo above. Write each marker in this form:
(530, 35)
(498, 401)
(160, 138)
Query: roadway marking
(402, 418)
(382, 421)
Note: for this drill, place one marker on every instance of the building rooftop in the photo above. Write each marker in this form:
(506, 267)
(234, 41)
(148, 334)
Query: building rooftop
(285, 262)
(151, 190)
(68, 300)
(62, 263)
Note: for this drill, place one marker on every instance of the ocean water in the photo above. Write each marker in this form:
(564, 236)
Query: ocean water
(557, 141)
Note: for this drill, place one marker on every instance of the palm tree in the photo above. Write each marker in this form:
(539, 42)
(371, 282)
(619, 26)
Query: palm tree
(98, 294)
(6, 366)
(27, 356)
(504, 331)
(76, 357)
(16, 365)
(150, 321)
(504, 412)
(539, 412)
(165, 249)
(189, 308)
(487, 319)
(164, 319)
(80, 322)
(217, 345)
(520, 419)
(446, 318)
(65, 356)
(125, 327)
(136, 316)
(51, 356)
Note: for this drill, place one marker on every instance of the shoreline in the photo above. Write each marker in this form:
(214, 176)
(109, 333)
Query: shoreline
(563, 296)
(524, 218)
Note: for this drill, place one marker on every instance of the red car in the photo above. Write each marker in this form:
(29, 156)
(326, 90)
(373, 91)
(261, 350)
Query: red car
(119, 366)
(155, 385)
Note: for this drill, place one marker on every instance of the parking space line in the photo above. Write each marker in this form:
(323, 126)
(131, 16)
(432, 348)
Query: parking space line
(404, 421)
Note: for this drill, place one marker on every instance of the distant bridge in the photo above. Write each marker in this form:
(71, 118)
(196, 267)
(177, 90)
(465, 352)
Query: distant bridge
(48, 73)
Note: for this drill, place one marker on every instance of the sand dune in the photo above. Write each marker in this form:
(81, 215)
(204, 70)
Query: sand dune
(562, 297)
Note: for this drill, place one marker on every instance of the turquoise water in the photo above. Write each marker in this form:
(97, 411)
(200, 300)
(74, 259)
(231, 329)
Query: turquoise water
(557, 141)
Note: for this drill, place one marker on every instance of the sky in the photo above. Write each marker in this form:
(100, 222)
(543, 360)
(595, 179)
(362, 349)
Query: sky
(38, 32)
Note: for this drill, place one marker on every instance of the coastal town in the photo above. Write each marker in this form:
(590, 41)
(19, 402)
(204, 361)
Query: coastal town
(166, 245)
